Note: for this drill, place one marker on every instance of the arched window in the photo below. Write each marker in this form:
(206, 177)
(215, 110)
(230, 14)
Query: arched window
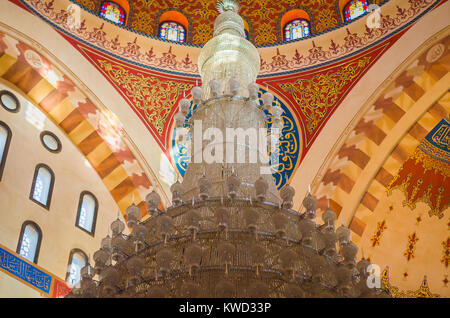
(42, 187)
(172, 31)
(296, 29)
(354, 9)
(5, 140)
(29, 241)
(87, 212)
(113, 12)
(77, 260)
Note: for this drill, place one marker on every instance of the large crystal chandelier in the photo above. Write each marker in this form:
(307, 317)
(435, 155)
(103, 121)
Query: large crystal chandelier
(229, 231)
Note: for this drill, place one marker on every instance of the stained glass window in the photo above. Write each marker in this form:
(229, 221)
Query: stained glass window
(86, 214)
(172, 31)
(29, 242)
(42, 186)
(113, 12)
(77, 262)
(354, 9)
(296, 29)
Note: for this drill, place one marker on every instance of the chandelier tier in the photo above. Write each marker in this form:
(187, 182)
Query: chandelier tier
(229, 231)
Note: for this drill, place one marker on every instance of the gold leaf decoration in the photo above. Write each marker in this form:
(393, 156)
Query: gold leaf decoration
(153, 96)
(314, 96)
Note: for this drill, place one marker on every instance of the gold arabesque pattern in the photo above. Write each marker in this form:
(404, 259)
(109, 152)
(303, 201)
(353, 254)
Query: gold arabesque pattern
(316, 95)
(149, 94)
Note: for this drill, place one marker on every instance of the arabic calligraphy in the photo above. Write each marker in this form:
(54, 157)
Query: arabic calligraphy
(288, 151)
(442, 136)
(25, 271)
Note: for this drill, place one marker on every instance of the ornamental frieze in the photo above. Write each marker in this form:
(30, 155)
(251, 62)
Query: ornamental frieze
(149, 51)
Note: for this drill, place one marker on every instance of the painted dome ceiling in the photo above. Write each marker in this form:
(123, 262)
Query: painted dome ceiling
(262, 16)
(322, 82)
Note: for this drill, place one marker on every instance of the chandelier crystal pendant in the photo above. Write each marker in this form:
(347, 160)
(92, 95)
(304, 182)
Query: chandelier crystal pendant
(229, 231)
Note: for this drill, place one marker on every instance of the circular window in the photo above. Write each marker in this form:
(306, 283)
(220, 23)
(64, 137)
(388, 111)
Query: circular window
(9, 101)
(50, 141)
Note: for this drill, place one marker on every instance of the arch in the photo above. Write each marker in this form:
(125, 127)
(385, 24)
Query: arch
(172, 31)
(121, 10)
(364, 161)
(87, 211)
(75, 120)
(5, 140)
(296, 29)
(42, 185)
(175, 17)
(75, 264)
(290, 16)
(24, 251)
(345, 4)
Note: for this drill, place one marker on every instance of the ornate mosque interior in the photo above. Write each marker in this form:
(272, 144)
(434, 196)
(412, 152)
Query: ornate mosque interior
(90, 90)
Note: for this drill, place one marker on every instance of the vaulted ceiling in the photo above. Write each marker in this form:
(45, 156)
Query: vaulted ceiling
(347, 91)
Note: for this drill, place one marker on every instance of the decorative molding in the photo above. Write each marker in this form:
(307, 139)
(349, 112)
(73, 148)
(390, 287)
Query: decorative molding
(332, 46)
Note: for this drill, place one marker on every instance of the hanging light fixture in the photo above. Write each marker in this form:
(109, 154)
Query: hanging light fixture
(229, 231)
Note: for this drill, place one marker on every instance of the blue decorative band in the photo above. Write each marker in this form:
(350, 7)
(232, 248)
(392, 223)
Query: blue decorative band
(24, 271)
(437, 143)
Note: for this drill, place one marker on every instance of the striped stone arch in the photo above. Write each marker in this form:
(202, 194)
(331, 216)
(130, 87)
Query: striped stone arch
(380, 141)
(94, 131)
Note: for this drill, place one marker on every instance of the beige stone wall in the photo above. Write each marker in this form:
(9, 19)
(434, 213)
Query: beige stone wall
(72, 176)
(12, 288)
